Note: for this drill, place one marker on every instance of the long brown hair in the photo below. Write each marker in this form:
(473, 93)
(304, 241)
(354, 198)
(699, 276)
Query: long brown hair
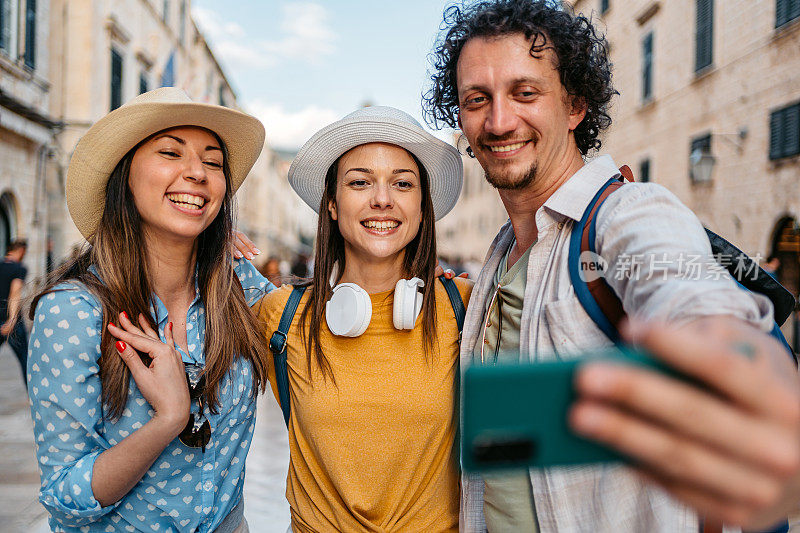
(117, 252)
(419, 261)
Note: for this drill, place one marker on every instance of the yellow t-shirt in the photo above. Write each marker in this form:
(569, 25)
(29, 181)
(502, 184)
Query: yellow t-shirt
(376, 451)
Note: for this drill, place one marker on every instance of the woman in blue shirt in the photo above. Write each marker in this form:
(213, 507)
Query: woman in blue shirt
(150, 186)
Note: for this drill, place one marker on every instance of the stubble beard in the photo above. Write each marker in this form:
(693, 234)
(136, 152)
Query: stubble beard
(509, 182)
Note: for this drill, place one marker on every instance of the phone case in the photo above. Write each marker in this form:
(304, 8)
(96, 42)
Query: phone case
(514, 416)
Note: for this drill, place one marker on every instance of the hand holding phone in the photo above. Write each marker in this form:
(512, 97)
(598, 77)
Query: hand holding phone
(514, 416)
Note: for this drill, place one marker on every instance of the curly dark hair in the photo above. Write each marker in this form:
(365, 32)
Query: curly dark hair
(582, 53)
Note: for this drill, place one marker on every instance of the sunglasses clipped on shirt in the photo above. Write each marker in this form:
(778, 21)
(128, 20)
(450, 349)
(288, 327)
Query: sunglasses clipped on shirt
(197, 432)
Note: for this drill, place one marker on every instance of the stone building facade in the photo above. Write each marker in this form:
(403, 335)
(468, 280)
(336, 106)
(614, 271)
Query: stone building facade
(106, 53)
(26, 129)
(709, 106)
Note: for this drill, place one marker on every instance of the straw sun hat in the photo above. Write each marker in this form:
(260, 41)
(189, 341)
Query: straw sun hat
(114, 135)
(371, 125)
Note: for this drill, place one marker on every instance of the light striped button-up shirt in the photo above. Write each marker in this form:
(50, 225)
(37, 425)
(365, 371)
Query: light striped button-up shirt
(645, 221)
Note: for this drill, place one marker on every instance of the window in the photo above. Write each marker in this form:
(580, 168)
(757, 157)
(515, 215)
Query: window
(699, 154)
(116, 79)
(784, 132)
(644, 171)
(603, 6)
(647, 67)
(168, 74)
(786, 11)
(704, 38)
(143, 84)
(221, 94)
(6, 18)
(30, 34)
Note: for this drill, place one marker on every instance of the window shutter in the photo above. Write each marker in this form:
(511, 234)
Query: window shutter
(644, 171)
(647, 67)
(705, 34)
(30, 33)
(794, 9)
(780, 12)
(116, 79)
(5, 24)
(791, 130)
(775, 134)
(786, 11)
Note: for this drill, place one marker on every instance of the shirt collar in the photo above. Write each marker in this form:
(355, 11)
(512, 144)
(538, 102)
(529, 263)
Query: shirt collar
(157, 308)
(159, 311)
(573, 197)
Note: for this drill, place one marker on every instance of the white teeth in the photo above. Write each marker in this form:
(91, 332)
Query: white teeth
(507, 148)
(189, 201)
(382, 225)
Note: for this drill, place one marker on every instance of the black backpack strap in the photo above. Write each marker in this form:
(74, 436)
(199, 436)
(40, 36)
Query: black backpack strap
(277, 343)
(455, 300)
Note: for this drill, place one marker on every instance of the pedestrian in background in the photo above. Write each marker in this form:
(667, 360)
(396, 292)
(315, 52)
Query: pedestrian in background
(272, 271)
(12, 280)
(156, 297)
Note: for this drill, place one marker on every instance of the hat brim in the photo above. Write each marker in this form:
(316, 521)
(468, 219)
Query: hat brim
(442, 161)
(102, 147)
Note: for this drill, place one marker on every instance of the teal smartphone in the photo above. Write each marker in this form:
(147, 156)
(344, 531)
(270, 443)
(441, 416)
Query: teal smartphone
(514, 416)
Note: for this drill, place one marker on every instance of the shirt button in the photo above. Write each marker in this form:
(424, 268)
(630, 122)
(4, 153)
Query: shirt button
(560, 225)
(207, 485)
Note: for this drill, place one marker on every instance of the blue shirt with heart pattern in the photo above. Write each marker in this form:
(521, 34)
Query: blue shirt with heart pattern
(185, 489)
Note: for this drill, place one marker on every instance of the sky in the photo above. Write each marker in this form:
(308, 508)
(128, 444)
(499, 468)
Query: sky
(299, 65)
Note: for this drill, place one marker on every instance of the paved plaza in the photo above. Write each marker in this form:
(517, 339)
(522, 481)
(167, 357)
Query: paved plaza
(20, 512)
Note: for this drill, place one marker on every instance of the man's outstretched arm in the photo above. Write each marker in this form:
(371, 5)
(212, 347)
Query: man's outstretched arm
(727, 445)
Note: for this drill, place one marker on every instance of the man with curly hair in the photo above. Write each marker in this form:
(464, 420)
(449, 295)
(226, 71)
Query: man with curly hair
(529, 85)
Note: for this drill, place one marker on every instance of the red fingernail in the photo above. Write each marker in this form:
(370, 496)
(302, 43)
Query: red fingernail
(125, 314)
(112, 324)
(170, 326)
(121, 346)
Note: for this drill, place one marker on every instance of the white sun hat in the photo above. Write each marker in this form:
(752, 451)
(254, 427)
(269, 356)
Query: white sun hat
(385, 125)
(110, 138)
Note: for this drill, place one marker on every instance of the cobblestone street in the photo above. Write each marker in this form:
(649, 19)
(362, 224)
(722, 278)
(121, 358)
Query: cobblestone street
(20, 512)
(19, 478)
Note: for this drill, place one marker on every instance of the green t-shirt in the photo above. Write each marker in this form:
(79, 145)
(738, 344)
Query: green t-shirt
(508, 497)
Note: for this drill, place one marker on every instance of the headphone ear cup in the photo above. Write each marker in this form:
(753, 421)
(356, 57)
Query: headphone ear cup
(399, 305)
(349, 310)
(407, 303)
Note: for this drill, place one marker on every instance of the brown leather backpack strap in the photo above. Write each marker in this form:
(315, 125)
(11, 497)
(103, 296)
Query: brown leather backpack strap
(626, 173)
(602, 293)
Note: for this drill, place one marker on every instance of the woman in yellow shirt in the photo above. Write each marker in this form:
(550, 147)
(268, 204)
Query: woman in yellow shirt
(372, 352)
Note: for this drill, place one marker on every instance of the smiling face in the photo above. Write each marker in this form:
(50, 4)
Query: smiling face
(514, 111)
(177, 182)
(378, 204)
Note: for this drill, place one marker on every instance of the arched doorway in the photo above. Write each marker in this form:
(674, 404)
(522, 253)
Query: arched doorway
(8, 221)
(786, 247)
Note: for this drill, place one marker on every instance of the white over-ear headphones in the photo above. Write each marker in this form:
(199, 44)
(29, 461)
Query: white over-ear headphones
(349, 310)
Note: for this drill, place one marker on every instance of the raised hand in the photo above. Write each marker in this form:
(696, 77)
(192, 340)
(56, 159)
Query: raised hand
(163, 381)
(243, 246)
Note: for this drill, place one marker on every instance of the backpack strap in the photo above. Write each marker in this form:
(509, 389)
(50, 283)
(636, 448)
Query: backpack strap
(455, 300)
(596, 297)
(277, 344)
